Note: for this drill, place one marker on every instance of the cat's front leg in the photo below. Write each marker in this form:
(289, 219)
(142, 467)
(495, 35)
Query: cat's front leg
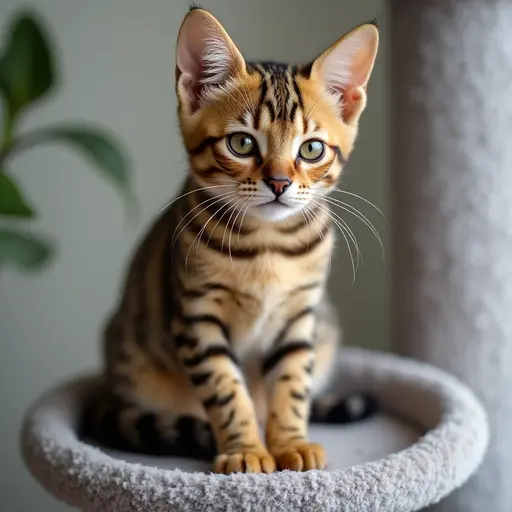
(288, 371)
(202, 342)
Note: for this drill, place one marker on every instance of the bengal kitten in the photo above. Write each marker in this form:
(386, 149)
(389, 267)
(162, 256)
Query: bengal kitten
(224, 325)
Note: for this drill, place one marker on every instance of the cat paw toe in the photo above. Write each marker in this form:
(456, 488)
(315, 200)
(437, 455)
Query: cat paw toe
(301, 457)
(245, 462)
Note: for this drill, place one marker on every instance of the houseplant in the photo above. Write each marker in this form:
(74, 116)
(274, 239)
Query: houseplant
(27, 75)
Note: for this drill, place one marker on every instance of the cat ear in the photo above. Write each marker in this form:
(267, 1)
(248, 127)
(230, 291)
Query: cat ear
(345, 69)
(206, 58)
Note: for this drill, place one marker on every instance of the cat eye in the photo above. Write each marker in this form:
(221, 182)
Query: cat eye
(241, 144)
(312, 150)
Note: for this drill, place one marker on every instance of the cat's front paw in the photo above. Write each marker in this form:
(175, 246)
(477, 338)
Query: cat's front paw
(248, 460)
(300, 456)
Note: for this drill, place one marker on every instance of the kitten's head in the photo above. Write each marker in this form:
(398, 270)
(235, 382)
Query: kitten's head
(268, 138)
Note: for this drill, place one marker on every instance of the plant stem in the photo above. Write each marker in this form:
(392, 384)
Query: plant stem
(8, 135)
(26, 141)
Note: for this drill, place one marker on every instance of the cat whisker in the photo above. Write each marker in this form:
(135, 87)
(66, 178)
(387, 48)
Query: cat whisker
(230, 93)
(342, 231)
(336, 189)
(214, 215)
(347, 229)
(188, 193)
(244, 91)
(233, 210)
(219, 219)
(311, 214)
(232, 96)
(202, 203)
(225, 230)
(356, 213)
(333, 105)
(215, 200)
(234, 224)
(307, 117)
(241, 222)
(200, 235)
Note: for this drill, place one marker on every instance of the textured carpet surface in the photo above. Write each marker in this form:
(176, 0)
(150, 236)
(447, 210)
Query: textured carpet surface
(428, 440)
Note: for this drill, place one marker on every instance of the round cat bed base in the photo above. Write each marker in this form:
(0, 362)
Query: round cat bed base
(428, 440)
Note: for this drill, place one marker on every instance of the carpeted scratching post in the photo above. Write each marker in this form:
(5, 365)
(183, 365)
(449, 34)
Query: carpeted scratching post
(428, 439)
(452, 74)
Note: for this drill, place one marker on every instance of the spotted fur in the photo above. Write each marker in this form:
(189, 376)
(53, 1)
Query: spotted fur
(224, 325)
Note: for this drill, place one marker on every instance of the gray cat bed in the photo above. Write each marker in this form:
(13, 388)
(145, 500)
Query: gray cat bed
(429, 438)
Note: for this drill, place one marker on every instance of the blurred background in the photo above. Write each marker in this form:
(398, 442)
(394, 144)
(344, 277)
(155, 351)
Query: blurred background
(115, 65)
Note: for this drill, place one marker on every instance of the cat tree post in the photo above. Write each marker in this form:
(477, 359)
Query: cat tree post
(452, 187)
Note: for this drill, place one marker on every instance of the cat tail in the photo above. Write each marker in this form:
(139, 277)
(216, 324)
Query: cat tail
(349, 409)
(113, 423)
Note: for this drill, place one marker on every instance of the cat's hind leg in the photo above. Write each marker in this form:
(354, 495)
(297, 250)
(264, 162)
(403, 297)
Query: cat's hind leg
(153, 418)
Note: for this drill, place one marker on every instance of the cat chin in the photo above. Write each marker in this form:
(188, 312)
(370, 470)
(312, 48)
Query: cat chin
(273, 211)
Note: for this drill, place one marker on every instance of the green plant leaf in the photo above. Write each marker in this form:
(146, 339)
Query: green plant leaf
(23, 250)
(97, 147)
(26, 67)
(12, 202)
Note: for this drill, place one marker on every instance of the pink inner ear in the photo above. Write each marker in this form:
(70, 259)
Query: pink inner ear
(206, 57)
(192, 90)
(354, 96)
(352, 99)
(346, 68)
(190, 59)
(191, 48)
(349, 63)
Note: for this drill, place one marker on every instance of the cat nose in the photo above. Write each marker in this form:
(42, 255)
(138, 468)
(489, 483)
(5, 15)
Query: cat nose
(277, 185)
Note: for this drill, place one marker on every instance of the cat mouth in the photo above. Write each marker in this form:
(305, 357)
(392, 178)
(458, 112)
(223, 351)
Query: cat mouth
(273, 203)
